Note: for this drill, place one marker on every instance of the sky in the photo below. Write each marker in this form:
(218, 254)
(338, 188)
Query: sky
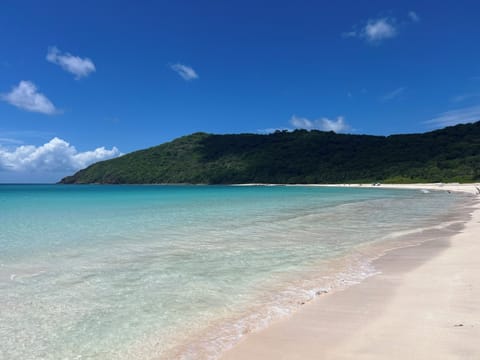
(83, 81)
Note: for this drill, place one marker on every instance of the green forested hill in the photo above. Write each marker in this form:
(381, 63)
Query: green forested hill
(450, 154)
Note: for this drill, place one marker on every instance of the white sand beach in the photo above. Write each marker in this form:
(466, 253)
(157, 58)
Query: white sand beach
(457, 187)
(424, 304)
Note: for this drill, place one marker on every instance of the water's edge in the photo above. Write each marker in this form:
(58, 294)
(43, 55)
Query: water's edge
(187, 272)
(350, 270)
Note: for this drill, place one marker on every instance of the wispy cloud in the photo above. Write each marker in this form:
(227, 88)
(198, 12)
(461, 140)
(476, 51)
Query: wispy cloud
(339, 125)
(465, 97)
(375, 30)
(413, 16)
(393, 94)
(57, 155)
(26, 96)
(80, 67)
(186, 72)
(457, 116)
(380, 29)
(4, 140)
(272, 130)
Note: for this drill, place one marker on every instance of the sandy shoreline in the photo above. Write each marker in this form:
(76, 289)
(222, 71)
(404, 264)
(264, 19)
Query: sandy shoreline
(473, 189)
(423, 305)
(470, 188)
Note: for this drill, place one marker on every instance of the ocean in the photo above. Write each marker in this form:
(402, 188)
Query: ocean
(183, 272)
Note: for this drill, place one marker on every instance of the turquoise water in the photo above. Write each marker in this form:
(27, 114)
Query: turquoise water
(144, 272)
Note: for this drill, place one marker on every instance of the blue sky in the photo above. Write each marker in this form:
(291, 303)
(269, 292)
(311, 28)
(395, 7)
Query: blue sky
(85, 81)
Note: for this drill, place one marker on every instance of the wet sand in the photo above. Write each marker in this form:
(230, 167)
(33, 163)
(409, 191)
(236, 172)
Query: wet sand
(424, 304)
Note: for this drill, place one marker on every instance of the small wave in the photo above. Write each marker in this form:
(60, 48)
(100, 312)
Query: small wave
(400, 234)
(19, 277)
(223, 336)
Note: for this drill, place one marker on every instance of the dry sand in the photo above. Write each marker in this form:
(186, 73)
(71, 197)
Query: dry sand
(467, 188)
(424, 304)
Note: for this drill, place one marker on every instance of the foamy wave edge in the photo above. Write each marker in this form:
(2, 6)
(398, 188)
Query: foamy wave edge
(358, 266)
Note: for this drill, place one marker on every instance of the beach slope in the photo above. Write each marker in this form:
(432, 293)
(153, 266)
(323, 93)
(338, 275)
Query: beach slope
(424, 304)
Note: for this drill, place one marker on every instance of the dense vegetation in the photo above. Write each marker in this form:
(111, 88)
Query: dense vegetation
(301, 156)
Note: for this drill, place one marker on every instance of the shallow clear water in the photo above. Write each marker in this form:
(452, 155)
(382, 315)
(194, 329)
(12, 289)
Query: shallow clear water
(141, 272)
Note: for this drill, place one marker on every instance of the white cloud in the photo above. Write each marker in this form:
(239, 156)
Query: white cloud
(68, 62)
(25, 96)
(186, 72)
(339, 125)
(413, 16)
(380, 29)
(55, 156)
(302, 123)
(457, 116)
(375, 30)
(393, 94)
